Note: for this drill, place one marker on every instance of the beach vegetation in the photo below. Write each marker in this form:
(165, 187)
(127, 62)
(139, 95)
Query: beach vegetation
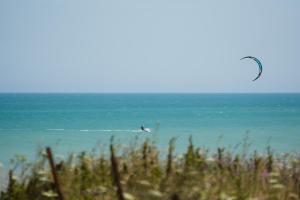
(141, 171)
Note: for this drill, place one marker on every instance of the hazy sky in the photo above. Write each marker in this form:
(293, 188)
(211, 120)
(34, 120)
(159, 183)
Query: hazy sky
(149, 46)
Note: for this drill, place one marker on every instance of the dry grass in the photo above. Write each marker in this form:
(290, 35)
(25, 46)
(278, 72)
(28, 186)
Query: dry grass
(139, 172)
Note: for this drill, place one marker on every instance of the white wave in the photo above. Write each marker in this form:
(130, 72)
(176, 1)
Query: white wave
(14, 129)
(84, 130)
(110, 130)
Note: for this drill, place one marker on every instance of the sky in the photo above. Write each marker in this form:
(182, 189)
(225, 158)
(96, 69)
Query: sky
(188, 46)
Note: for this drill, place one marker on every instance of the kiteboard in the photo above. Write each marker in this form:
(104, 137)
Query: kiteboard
(148, 130)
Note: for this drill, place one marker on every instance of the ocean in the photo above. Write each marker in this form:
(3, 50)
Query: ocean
(76, 122)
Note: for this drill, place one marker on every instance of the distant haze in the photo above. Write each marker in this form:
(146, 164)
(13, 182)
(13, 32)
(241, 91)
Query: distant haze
(149, 46)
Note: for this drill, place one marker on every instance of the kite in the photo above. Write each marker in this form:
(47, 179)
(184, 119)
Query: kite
(259, 65)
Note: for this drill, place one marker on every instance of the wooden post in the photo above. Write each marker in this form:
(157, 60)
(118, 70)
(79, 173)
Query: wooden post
(115, 174)
(11, 183)
(170, 157)
(175, 197)
(54, 174)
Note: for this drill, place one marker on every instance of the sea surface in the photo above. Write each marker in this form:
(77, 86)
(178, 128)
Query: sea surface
(76, 122)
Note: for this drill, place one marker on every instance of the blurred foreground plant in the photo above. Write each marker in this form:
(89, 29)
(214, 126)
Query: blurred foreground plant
(138, 171)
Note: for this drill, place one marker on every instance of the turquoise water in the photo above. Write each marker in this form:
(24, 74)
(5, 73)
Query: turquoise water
(75, 122)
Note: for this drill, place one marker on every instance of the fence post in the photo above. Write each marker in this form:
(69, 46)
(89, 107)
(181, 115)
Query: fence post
(54, 174)
(115, 174)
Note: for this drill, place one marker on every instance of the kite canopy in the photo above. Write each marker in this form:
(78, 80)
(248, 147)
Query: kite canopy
(259, 65)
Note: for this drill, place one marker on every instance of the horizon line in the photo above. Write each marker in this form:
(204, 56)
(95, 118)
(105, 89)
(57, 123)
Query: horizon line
(149, 92)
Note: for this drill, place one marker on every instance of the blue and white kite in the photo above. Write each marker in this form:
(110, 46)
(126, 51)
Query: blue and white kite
(259, 65)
